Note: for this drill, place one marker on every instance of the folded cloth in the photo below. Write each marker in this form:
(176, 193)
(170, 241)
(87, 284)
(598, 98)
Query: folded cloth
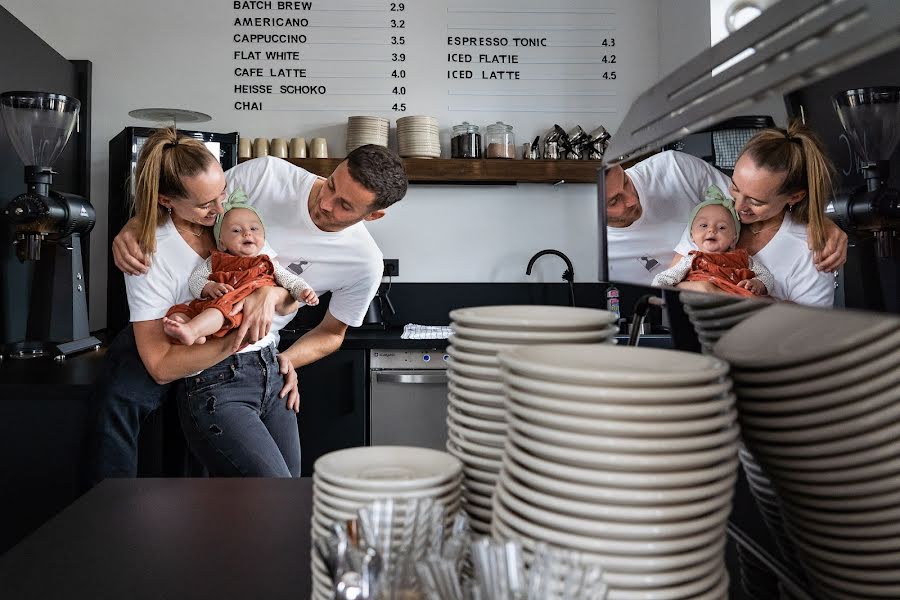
(425, 332)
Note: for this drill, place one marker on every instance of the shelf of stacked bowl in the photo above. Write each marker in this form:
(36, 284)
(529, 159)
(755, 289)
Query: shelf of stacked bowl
(477, 171)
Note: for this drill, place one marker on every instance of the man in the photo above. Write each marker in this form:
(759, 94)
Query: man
(648, 206)
(316, 226)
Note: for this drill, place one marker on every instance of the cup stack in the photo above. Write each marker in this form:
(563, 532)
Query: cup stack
(819, 398)
(362, 130)
(347, 480)
(712, 315)
(626, 455)
(476, 415)
(418, 137)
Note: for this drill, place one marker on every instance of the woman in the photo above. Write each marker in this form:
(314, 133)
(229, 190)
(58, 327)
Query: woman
(781, 184)
(233, 410)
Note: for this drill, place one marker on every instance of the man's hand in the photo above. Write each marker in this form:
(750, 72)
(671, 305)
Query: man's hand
(259, 308)
(214, 289)
(754, 285)
(290, 389)
(127, 253)
(834, 254)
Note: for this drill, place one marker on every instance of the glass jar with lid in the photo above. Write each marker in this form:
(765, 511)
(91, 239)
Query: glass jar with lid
(500, 142)
(465, 141)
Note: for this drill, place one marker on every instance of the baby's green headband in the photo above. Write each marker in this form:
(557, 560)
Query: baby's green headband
(715, 196)
(237, 199)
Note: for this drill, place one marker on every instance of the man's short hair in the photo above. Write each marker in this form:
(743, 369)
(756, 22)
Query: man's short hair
(379, 170)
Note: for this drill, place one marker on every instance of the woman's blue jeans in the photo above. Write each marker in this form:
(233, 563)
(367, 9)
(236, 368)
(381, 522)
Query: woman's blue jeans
(234, 421)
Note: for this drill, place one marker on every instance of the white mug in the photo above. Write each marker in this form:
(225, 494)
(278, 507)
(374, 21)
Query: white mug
(318, 148)
(260, 147)
(750, 8)
(278, 148)
(245, 147)
(298, 148)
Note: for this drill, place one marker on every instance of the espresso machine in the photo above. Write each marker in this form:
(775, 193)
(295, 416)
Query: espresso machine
(870, 214)
(48, 226)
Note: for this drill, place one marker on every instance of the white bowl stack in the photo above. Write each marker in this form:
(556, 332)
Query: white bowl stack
(362, 130)
(627, 455)
(418, 137)
(476, 418)
(712, 315)
(819, 399)
(347, 480)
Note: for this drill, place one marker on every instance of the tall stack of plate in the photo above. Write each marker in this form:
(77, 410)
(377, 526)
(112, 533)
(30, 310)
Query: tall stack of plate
(476, 418)
(714, 314)
(819, 399)
(346, 480)
(418, 137)
(627, 455)
(362, 130)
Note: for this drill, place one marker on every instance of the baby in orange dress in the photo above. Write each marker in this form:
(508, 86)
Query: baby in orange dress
(715, 227)
(228, 277)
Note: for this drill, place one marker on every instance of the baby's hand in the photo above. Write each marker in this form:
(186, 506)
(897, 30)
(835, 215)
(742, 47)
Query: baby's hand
(754, 285)
(216, 290)
(309, 296)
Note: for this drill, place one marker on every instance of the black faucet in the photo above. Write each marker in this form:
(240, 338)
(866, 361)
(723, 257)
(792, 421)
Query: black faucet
(568, 274)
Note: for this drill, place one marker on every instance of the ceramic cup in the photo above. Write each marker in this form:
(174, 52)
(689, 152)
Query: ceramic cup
(278, 147)
(740, 12)
(298, 148)
(318, 148)
(245, 148)
(260, 147)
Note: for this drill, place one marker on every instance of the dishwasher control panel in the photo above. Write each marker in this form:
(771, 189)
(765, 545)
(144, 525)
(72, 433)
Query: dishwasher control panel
(408, 359)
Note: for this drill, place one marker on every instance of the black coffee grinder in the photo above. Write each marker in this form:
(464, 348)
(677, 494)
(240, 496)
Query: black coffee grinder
(870, 214)
(39, 125)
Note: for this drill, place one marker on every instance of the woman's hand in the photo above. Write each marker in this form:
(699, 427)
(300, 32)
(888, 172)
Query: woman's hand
(259, 308)
(127, 253)
(834, 254)
(290, 389)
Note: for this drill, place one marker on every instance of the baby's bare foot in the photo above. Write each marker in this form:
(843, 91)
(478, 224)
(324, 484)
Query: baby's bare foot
(181, 332)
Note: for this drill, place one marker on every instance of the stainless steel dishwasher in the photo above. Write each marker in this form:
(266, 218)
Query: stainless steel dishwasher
(408, 398)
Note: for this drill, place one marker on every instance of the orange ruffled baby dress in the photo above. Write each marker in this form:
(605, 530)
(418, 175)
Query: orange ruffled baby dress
(722, 269)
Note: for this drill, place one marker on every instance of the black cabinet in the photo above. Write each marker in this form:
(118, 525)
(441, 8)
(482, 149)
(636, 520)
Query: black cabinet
(334, 410)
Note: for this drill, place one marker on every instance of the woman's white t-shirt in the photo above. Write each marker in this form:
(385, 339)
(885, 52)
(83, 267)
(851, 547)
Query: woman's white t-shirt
(151, 295)
(788, 257)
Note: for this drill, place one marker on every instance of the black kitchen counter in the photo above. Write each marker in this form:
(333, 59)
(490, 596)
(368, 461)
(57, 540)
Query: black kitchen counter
(388, 339)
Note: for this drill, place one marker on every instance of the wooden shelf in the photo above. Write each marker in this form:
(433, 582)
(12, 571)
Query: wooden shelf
(477, 171)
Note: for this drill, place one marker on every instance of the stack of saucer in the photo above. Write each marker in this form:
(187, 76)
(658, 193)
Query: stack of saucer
(819, 399)
(627, 455)
(476, 418)
(347, 480)
(418, 137)
(714, 314)
(362, 130)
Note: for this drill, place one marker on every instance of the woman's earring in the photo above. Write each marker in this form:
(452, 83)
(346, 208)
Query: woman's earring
(169, 208)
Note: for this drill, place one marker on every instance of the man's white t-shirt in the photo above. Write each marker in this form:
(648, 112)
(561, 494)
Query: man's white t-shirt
(347, 263)
(151, 295)
(790, 261)
(669, 185)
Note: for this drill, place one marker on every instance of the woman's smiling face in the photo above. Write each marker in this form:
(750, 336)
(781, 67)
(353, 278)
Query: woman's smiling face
(755, 192)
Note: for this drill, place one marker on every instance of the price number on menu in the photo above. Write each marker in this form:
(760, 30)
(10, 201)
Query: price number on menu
(398, 40)
(609, 74)
(608, 42)
(399, 107)
(608, 58)
(398, 24)
(397, 7)
(398, 57)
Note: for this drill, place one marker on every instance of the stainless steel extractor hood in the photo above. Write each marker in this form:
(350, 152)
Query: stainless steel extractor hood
(795, 42)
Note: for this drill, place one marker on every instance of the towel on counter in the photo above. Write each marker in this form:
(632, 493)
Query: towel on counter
(425, 332)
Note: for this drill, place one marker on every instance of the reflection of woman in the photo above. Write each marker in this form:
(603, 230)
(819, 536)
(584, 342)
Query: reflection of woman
(780, 186)
(231, 410)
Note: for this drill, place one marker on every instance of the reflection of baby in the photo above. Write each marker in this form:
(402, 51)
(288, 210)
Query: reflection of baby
(227, 278)
(715, 227)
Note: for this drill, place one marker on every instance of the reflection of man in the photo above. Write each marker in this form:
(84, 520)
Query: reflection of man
(648, 206)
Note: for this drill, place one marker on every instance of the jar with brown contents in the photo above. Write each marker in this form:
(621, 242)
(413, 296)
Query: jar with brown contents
(465, 141)
(501, 142)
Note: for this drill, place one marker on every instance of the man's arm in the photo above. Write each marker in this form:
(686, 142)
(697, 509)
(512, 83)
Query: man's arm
(259, 308)
(166, 362)
(127, 253)
(834, 254)
(324, 339)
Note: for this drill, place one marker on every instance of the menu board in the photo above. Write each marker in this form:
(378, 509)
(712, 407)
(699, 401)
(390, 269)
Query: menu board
(443, 58)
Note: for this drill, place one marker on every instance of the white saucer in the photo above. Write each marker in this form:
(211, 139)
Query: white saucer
(474, 410)
(532, 337)
(368, 495)
(533, 317)
(387, 467)
(476, 358)
(474, 383)
(487, 399)
(487, 425)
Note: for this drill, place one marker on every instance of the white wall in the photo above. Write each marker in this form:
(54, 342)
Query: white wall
(172, 53)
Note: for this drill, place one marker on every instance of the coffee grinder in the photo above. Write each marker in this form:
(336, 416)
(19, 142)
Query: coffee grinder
(39, 125)
(870, 214)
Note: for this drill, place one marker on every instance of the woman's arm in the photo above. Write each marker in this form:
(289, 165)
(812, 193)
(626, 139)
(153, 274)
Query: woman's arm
(166, 362)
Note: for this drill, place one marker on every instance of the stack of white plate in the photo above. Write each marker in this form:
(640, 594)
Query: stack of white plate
(347, 480)
(362, 130)
(476, 418)
(714, 314)
(418, 137)
(627, 455)
(819, 398)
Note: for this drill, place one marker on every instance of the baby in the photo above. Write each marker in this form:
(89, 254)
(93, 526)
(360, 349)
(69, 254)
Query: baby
(228, 276)
(715, 227)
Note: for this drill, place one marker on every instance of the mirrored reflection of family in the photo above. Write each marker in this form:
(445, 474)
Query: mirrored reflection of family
(675, 220)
